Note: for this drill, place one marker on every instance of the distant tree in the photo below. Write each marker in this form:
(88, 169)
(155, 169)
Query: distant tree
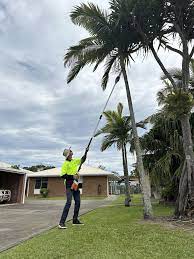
(115, 173)
(15, 167)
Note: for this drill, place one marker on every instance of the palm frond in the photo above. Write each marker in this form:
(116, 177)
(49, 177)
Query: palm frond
(120, 109)
(99, 132)
(92, 18)
(119, 144)
(107, 142)
(175, 73)
(90, 53)
(77, 51)
(108, 116)
(108, 66)
(141, 124)
(75, 69)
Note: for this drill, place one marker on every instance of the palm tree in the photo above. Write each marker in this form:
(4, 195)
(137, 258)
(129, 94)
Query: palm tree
(163, 154)
(114, 44)
(161, 22)
(118, 130)
(176, 104)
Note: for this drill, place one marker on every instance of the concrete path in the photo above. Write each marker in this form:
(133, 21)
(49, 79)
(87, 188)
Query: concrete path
(21, 222)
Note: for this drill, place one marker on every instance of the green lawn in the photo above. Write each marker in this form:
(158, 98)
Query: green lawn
(112, 232)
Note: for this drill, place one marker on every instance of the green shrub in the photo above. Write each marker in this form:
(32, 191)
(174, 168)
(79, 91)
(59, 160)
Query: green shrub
(169, 192)
(44, 192)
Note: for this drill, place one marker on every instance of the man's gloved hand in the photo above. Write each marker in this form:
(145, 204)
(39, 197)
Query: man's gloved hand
(74, 186)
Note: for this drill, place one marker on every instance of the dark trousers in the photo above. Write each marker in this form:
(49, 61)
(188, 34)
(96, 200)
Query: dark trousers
(76, 196)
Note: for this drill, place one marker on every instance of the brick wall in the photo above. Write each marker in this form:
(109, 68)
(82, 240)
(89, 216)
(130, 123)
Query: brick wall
(56, 186)
(31, 186)
(92, 186)
(21, 188)
(95, 186)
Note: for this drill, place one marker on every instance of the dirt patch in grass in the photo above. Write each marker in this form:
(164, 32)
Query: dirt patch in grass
(171, 223)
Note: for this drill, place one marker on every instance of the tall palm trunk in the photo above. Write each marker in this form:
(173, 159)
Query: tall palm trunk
(144, 180)
(126, 175)
(185, 200)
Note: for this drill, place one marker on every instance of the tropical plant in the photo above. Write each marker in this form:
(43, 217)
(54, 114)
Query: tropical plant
(118, 132)
(163, 21)
(114, 43)
(44, 192)
(176, 103)
(163, 154)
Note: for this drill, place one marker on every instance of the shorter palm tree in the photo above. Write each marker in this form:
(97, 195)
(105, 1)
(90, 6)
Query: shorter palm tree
(118, 131)
(163, 154)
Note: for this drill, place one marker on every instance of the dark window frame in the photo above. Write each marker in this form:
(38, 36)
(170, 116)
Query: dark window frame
(44, 182)
(41, 182)
(37, 183)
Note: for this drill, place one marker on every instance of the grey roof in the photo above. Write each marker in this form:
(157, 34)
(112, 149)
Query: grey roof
(12, 170)
(4, 167)
(85, 171)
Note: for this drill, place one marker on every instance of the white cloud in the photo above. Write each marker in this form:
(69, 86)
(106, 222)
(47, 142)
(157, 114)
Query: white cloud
(39, 113)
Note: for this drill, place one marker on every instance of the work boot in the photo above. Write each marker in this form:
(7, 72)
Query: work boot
(77, 222)
(62, 226)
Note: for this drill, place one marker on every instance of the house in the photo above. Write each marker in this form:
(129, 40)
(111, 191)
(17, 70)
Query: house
(13, 180)
(94, 181)
(133, 183)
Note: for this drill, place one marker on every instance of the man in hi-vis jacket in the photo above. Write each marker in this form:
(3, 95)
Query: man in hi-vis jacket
(69, 172)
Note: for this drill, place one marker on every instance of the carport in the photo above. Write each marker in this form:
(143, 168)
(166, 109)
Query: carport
(15, 181)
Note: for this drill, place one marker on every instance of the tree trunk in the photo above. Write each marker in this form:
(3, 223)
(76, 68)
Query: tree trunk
(181, 202)
(167, 74)
(145, 187)
(185, 66)
(126, 175)
(188, 148)
(185, 199)
(128, 198)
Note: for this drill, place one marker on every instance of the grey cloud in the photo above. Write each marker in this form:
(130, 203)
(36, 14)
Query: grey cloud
(39, 113)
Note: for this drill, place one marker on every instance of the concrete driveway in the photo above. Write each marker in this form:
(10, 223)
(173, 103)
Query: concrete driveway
(21, 222)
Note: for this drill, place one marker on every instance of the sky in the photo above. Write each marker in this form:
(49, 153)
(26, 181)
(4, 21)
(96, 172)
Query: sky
(40, 114)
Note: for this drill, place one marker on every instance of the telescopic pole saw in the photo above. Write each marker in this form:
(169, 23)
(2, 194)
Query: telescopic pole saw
(88, 146)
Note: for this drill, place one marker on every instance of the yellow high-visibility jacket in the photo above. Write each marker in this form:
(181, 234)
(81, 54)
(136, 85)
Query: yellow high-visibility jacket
(70, 167)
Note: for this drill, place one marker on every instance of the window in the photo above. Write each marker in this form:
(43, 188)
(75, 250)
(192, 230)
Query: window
(41, 182)
(44, 182)
(38, 183)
